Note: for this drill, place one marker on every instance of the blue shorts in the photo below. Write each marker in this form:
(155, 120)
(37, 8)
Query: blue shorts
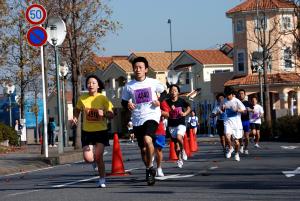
(160, 141)
(246, 126)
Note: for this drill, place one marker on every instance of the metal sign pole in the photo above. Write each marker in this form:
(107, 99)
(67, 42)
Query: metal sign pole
(45, 139)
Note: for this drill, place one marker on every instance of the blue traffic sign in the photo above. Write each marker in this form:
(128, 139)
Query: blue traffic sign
(37, 36)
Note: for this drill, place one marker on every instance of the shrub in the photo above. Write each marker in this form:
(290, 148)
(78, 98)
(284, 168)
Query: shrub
(287, 128)
(8, 133)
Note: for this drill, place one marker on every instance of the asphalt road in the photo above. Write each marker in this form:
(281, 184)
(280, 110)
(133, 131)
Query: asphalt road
(207, 175)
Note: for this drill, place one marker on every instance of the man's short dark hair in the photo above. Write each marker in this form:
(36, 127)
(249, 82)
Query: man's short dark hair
(228, 90)
(100, 83)
(243, 90)
(219, 95)
(140, 59)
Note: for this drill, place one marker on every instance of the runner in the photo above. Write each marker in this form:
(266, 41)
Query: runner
(140, 97)
(130, 132)
(96, 110)
(176, 121)
(255, 120)
(193, 122)
(245, 121)
(233, 127)
(217, 112)
(161, 137)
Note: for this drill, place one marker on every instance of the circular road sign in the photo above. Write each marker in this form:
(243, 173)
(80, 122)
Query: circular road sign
(36, 14)
(36, 36)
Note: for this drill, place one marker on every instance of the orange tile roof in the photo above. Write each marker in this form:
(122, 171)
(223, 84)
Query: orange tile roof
(210, 56)
(124, 64)
(250, 5)
(158, 61)
(278, 78)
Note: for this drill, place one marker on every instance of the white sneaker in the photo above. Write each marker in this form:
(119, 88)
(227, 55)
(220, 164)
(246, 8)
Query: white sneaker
(55, 145)
(246, 152)
(256, 145)
(242, 149)
(237, 157)
(183, 154)
(101, 183)
(95, 166)
(228, 154)
(159, 172)
(180, 163)
(50, 145)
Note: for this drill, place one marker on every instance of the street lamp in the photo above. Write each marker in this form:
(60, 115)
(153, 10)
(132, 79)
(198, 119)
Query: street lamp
(170, 23)
(257, 63)
(9, 89)
(63, 71)
(56, 31)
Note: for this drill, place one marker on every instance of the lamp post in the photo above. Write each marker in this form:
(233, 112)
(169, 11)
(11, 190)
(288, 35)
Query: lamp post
(170, 23)
(63, 74)
(56, 31)
(257, 63)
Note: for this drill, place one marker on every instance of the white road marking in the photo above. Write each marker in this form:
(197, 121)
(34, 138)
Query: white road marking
(74, 182)
(289, 147)
(291, 173)
(22, 193)
(174, 176)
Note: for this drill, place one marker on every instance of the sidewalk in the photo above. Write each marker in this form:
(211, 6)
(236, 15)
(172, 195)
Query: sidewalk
(29, 157)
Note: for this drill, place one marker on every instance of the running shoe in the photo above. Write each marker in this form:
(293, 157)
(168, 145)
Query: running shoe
(159, 172)
(150, 176)
(228, 154)
(256, 145)
(242, 149)
(246, 152)
(237, 157)
(183, 155)
(101, 183)
(180, 163)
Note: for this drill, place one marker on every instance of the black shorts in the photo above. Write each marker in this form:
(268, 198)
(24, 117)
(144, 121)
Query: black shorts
(220, 127)
(148, 128)
(91, 138)
(254, 126)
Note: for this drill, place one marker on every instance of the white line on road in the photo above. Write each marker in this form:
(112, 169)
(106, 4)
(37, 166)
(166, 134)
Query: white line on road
(74, 182)
(174, 176)
(289, 147)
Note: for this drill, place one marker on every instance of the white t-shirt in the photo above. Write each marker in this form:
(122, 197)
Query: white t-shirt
(142, 94)
(233, 118)
(255, 116)
(217, 111)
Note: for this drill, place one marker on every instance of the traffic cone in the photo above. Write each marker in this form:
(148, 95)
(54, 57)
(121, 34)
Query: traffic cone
(172, 153)
(117, 166)
(193, 144)
(186, 146)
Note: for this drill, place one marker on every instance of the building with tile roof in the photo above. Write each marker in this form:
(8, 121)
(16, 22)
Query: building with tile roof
(268, 26)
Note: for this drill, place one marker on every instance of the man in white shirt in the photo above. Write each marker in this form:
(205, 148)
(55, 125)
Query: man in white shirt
(140, 97)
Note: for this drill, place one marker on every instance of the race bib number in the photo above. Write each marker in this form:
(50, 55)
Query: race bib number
(143, 95)
(175, 114)
(92, 115)
(255, 116)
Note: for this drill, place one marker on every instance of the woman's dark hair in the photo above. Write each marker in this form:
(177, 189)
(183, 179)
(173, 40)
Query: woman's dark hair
(140, 59)
(163, 96)
(100, 83)
(51, 119)
(175, 85)
(220, 94)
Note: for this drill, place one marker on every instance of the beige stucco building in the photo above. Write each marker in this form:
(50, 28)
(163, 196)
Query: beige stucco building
(270, 27)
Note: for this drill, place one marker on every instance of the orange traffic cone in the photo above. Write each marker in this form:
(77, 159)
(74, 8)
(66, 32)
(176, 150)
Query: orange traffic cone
(187, 146)
(172, 153)
(193, 145)
(117, 166)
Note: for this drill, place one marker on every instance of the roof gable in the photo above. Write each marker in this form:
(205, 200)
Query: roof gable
(210, 56)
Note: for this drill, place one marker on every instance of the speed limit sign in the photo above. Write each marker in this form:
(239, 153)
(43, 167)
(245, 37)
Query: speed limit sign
(36, 14)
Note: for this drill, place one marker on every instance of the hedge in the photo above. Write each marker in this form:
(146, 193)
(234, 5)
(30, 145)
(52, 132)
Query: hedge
(8, 133)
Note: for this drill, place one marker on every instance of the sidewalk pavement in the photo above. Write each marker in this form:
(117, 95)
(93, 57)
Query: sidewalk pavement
(29, 157)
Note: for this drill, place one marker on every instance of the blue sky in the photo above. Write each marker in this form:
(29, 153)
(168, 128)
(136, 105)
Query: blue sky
(196, 24)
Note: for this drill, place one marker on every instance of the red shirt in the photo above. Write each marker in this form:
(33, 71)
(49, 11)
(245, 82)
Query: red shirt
(161, 129)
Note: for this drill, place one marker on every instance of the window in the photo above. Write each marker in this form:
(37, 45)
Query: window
(287, 57)
(240, 25)
(187, 78)
(241, 61)
(286, 23)
(262, 22)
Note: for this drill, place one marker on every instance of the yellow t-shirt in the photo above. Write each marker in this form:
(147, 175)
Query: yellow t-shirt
(90, 105)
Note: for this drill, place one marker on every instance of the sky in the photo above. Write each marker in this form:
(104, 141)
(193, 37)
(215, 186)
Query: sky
(196, 24)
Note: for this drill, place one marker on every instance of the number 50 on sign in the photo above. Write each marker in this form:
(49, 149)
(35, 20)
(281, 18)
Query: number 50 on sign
(36, 14)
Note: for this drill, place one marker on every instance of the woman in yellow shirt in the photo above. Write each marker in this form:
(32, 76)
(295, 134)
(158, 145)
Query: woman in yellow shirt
(96, 109)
